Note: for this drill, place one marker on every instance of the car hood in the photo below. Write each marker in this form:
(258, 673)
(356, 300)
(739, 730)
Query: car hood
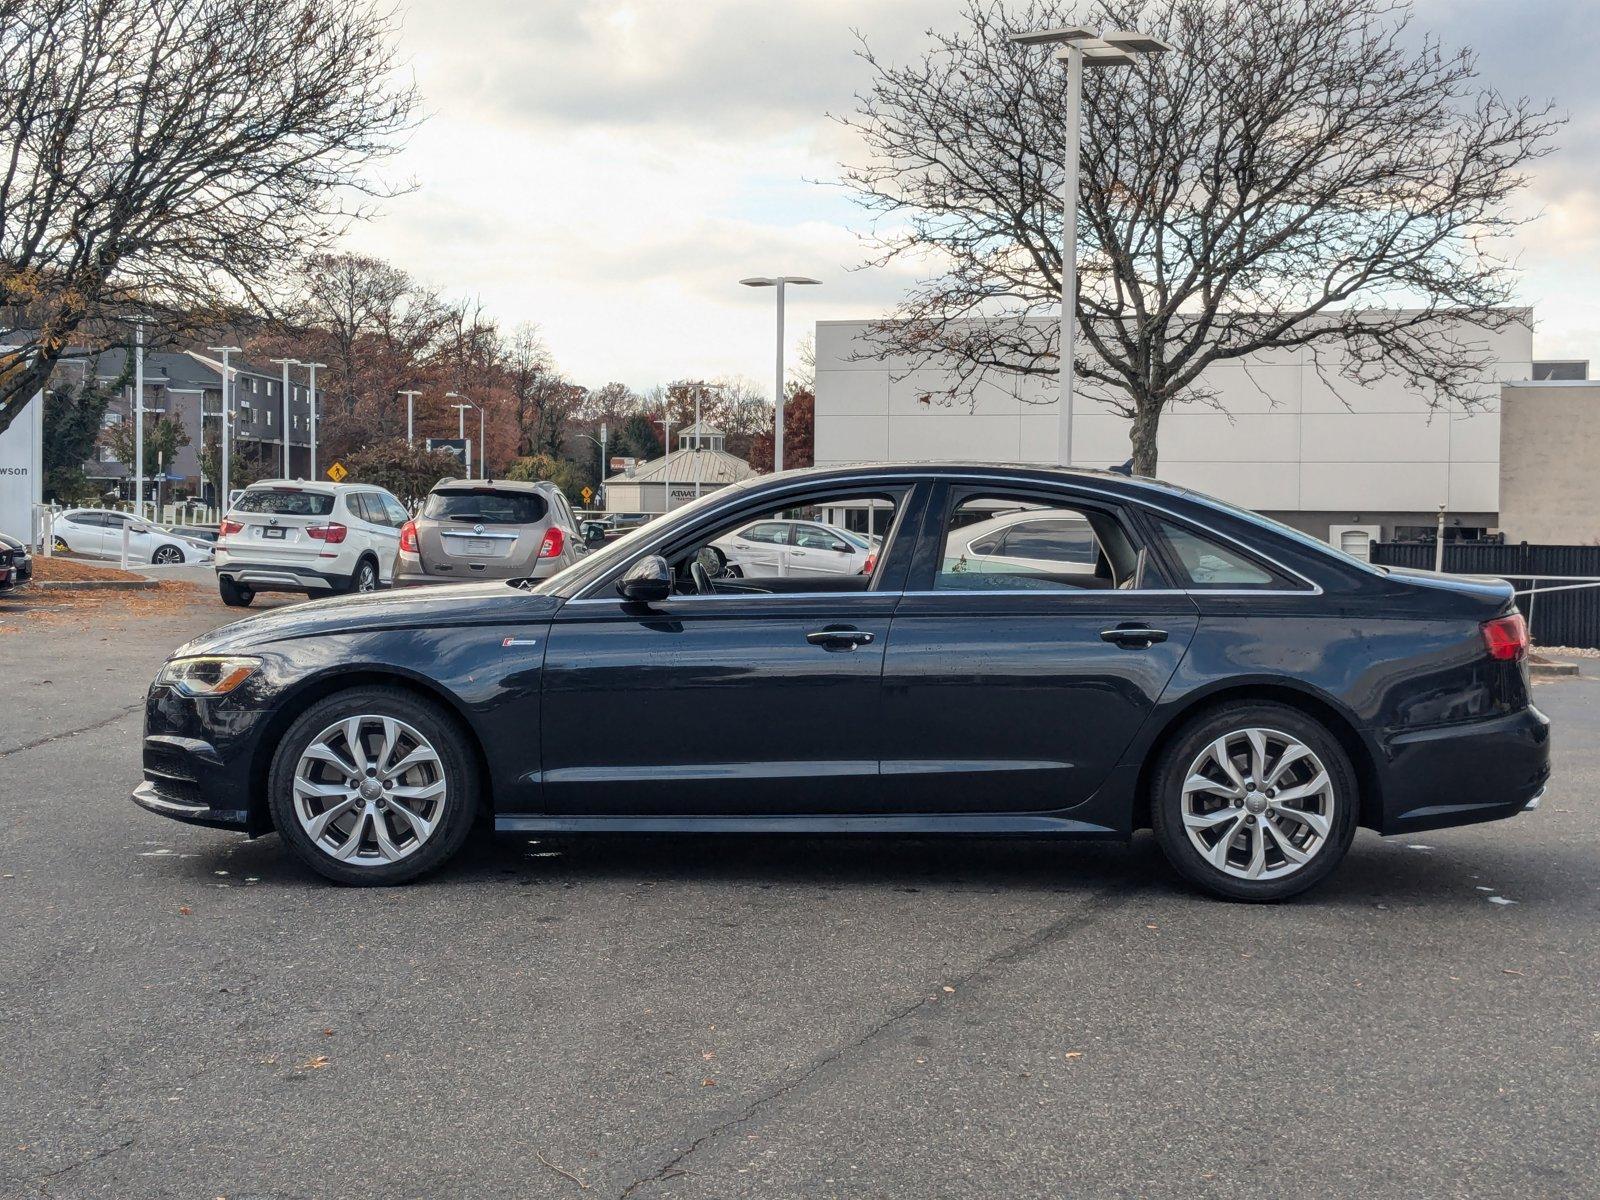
(463, 604)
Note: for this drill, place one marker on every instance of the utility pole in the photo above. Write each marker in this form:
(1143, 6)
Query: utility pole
(698, 438)
(410, 404)
(666, 427)
(227, 422)
(483, 457)
(461, 426)
(138, 416)
(311, 411)
(287, 470)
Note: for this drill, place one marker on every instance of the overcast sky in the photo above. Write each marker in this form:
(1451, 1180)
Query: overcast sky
(609, 169)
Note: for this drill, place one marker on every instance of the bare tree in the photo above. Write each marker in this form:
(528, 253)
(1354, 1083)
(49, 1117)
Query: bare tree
(176, 155)
(1298, 174)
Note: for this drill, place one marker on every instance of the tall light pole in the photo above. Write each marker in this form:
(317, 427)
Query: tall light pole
(227, 422)
(483, 456)
(411, 398)
(1079, 48)
(778, 281)
(287, 363)
(311, 411)
(461, 425)
(666, 429)
(600, 444)
(138, 416)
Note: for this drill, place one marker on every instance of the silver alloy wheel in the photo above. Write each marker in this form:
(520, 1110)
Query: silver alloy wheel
(366, 578)
(1258, 804)
(168, 555)
(369, 790)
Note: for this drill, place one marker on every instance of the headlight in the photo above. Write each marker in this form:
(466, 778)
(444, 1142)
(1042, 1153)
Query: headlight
(208, 675)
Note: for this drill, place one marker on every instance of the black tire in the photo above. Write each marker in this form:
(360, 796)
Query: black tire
(60, 546)
(459, 771)
(1167, 802)
(365, 577)
(234, 595)
(166, 556)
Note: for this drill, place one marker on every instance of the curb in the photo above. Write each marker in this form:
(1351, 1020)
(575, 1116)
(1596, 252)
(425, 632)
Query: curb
(1551, 667)
(75, 585)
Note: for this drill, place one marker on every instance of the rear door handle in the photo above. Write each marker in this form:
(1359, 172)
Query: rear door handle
(1133, 637)
(839, 639)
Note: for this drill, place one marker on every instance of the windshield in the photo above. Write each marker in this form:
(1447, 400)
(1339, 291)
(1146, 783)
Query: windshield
(487, 507)
(568, 581)
(285, 502)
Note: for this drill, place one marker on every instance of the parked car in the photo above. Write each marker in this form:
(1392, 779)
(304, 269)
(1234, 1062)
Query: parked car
(97, 533)
(787, 548)
(21, 558)
(1025, 543)
(1251, 693)
(309, 537)
(198, 533)
(8, 567)
(614, 525)
(481, 529)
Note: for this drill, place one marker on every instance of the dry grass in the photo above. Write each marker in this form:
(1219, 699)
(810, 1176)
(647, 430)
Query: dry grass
(74, 569)
(58, 607)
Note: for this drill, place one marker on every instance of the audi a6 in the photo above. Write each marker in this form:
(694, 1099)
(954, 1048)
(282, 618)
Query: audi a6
(1142, 656)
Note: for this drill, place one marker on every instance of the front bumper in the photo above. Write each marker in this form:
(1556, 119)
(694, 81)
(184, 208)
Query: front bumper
(199, 758)
(1464, 773)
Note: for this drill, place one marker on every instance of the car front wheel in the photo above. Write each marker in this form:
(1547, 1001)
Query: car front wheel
(373, 786)
(1254, 801)
(167, 556)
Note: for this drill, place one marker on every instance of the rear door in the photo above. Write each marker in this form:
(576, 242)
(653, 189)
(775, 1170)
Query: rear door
(382, 531)
(274, 522)
(1018, 692)
(759, 548)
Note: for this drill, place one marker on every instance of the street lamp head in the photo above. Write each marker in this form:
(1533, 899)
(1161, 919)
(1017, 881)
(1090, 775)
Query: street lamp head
(223, 349)
(1134, 42)
(764, 281)
(1098, 54)
(1047, 37)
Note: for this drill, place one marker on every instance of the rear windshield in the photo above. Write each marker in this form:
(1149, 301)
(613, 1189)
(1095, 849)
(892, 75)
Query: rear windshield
(285, 502)
(487, 507)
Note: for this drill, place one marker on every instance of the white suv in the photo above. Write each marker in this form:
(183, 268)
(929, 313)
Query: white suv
(318, 538)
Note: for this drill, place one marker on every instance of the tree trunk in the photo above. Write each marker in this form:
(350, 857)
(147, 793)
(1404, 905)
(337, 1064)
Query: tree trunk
(1142, 436)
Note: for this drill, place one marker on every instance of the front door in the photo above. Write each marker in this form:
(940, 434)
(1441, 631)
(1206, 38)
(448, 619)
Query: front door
(757, 705)
(1015, 688)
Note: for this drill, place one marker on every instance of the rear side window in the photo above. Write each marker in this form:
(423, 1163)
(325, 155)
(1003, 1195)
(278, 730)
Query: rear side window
(1206, 563)
(285, 502)
(771, 532)
(487, 507)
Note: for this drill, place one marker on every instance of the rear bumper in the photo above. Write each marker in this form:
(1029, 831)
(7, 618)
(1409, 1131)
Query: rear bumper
(280, 577)
(409, 571)
(1466, 773)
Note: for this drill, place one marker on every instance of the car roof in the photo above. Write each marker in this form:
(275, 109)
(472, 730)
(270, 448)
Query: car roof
(498, 485)
(326, 487)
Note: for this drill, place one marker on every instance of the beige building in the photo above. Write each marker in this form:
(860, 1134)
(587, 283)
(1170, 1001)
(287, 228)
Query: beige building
(700, 464)
(1550, 462)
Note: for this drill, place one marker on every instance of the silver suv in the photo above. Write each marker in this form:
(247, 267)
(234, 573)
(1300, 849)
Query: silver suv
(472, 529)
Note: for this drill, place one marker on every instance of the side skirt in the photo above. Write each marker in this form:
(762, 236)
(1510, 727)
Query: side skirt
(987, 825)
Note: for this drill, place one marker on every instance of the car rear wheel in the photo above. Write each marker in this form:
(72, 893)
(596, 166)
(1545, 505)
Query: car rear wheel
(234, 595)
(1254, 801)
(365, 578)
(373, 786)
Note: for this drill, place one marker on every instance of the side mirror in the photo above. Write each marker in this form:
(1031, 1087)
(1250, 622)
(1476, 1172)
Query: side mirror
(594, 534)
(648, 581)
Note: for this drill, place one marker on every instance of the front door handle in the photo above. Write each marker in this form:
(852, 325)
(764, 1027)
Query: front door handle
(839, 639)
(1133, 637)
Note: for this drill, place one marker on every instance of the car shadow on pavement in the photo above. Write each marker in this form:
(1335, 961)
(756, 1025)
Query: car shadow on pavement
(1377, 873)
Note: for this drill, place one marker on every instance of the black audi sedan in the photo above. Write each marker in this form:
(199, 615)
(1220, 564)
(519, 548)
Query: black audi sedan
(1030, 651)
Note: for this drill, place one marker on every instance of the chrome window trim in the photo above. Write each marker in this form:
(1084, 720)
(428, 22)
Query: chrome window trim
(467, 533)
(1311, 589)
(749, 596)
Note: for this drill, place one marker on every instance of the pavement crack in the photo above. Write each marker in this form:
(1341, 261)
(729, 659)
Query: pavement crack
(87, 1159)
(1017, 951)
(68, 733)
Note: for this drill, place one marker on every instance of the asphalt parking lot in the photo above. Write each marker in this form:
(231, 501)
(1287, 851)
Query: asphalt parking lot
(185, 1013)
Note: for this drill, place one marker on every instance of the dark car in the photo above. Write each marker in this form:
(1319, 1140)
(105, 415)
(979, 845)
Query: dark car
(8, 568)
(21, 559)
(1248, 691)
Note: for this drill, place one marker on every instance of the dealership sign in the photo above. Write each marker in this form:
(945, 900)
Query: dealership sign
(21, 470)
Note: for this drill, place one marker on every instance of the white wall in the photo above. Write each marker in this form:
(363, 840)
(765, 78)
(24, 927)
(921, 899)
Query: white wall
(22, 470)
(1290, 440)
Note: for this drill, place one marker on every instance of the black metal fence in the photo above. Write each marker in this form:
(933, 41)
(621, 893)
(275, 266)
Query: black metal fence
(1563, 618)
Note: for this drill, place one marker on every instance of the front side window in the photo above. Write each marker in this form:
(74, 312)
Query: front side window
(1000, 542)
(812, 537)
(1207, 563)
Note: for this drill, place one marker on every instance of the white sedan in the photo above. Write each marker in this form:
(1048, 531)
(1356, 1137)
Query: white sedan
(1023, 542)
(791, 548)
(97, 532)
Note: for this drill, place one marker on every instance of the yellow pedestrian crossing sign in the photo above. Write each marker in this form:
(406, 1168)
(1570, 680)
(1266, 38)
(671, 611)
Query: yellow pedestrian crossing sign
(587, 495)
(337, 472)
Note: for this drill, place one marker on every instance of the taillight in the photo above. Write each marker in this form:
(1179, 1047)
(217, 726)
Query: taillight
(1506, 638)
(554, 543)
(332, 533)
(408, 538)
(872, 561)
(229, 526)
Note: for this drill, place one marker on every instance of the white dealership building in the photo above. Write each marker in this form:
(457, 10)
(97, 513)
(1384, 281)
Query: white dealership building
(1304, 445)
